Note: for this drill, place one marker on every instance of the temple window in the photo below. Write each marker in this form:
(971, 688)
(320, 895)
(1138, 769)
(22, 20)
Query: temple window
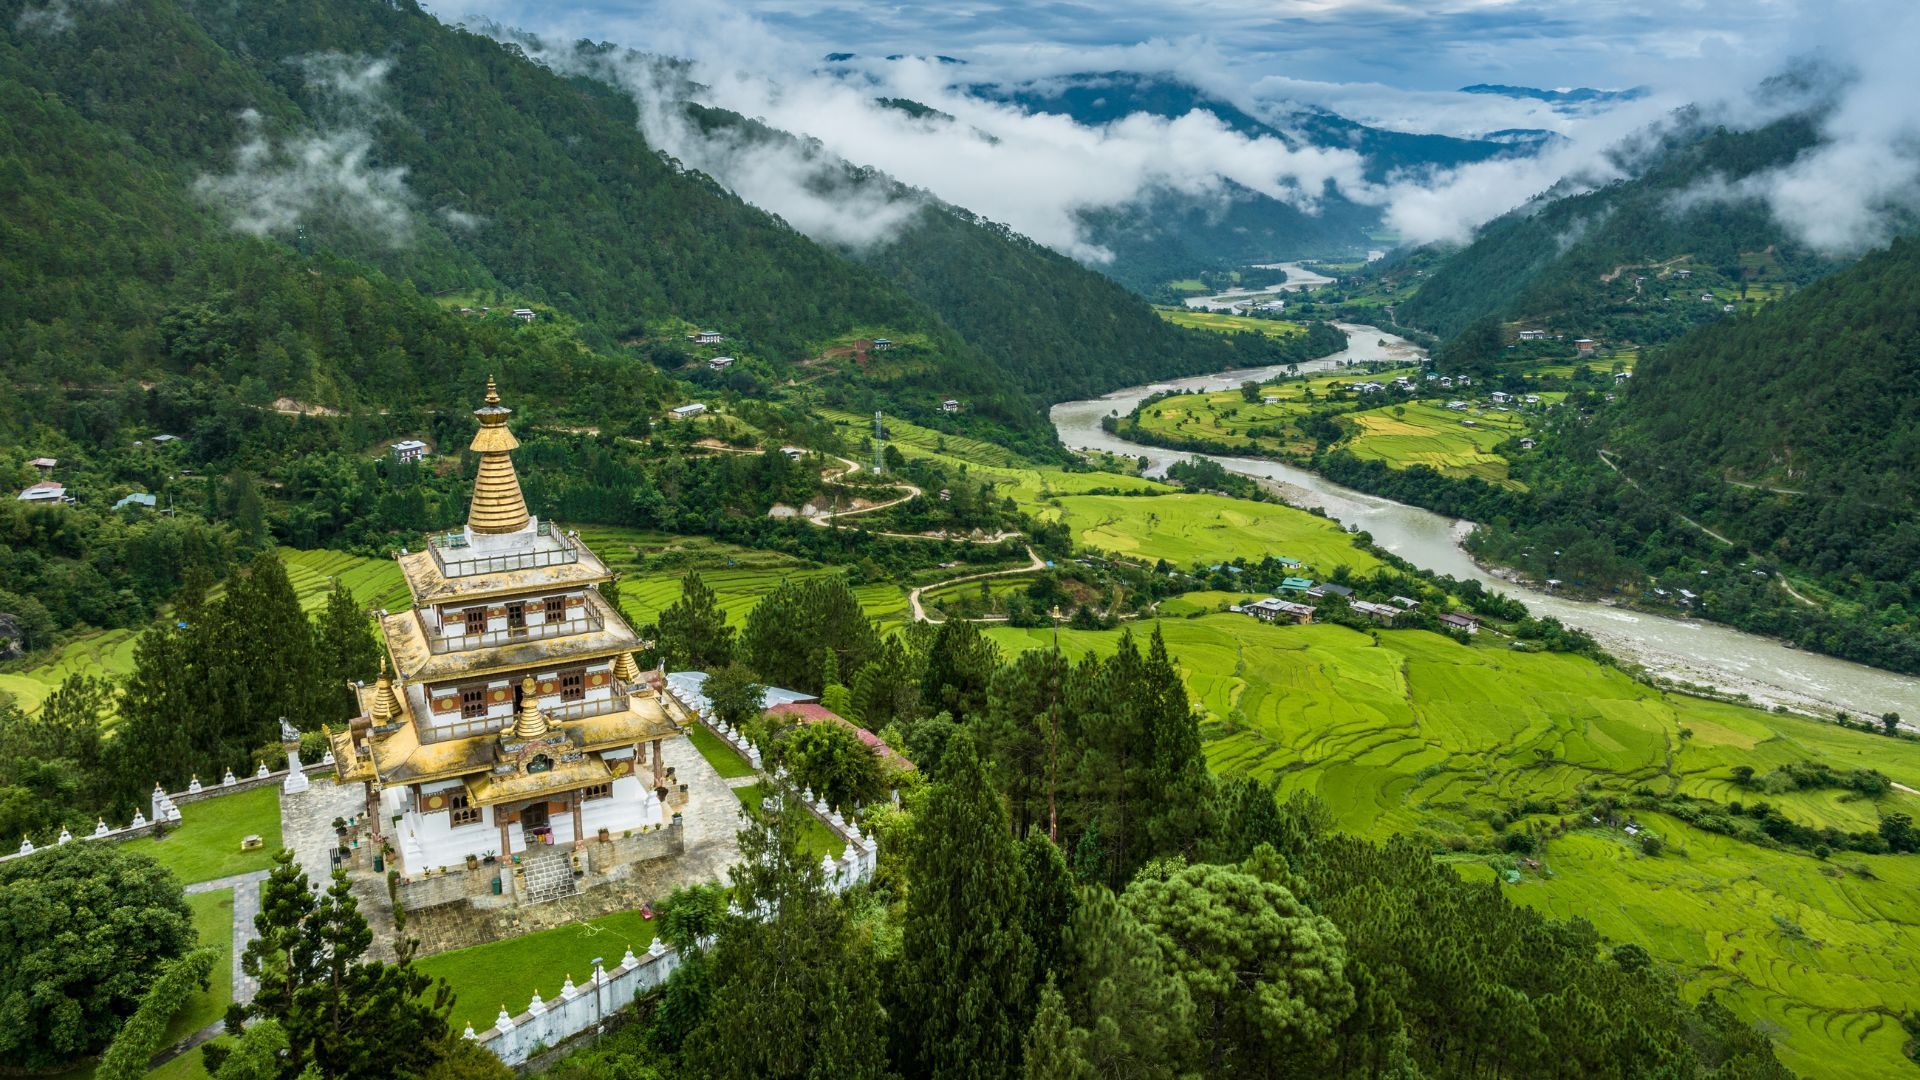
(516, 616)
(556, 608)
(461, 812)
(597, 791)
(476, 620)
(573, 684)
(473, 702)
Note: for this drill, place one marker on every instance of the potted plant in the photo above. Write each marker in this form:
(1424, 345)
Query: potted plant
(473, 861)
(606, 834)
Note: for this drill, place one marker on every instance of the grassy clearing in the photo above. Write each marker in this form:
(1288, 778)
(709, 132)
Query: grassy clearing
(815, 836)
(1221, 323)
(725, 759)
(1409, 732)
(213, 923)
(206, 844)
(507, 973)
(909, 437)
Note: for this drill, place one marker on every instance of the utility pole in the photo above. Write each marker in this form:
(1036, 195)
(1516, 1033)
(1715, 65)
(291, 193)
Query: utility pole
(1053, 738)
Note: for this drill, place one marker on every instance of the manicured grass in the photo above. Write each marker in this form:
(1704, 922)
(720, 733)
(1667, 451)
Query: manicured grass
(206, 844)
(213, 923)
(485, 977)
(1222, 323)
(725, 759)
(816, 837)
(1409, 732)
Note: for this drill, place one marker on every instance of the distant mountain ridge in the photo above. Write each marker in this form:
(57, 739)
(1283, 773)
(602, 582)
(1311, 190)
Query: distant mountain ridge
(1579, 95)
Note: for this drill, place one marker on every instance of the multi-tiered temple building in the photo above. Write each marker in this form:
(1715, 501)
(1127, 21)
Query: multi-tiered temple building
(512, 723)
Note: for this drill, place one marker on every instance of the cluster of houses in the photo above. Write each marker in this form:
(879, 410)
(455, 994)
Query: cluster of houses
(1582, 346)
(1406, 385)
(521, 313)
(1291, 606)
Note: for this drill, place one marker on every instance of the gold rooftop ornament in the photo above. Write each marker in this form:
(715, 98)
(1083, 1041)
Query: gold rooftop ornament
(498, 507)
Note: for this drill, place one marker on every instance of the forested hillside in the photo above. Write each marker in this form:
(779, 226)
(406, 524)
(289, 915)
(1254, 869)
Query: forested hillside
(1791, 433)
(1608, 263)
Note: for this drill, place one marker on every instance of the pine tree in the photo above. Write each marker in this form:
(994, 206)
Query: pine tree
(886, 688)
(960, 669)
(344, 1016)
(1138, 1017)
(794, 992)
(965, 985)
(1055, 1049)
(1018, 735)
(345, 649)
(692, 634)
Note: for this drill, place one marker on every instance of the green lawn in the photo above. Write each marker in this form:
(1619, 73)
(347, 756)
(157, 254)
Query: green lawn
(206, 844)
(213, 923)
(725, 759)
(816, 836)
(485, 977)
(1409, 732)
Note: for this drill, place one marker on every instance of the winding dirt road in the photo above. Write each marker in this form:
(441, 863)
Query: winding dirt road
(1034, 565)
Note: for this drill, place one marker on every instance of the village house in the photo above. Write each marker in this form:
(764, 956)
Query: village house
(1371, 388)
(687, 411)
(1296, 584)
(408, 450)
(1585, 346)
(1465, 380)
(137, 499)
(1328, 588)
(1380, 613)
(1533, 335)
(1500, 397)
(1269, 399)
(46, 491)
(1457, 406)
(720, 363)
(1533, 399)
(44, 464)
(1405, 603)
(708, 337)
(881, 344)
(1526, 444)
(950, 405)
(510, 720)
(1683, 274)
(1461, 622)
(1621, 376)
(524, 314)
(164, 439)
(1273, 609)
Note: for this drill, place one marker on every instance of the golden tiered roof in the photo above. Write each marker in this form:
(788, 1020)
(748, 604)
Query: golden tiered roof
(498, 506)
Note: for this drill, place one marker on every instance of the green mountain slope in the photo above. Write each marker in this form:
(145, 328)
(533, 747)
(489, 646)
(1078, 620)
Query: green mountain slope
(1790, 433)
(1605, 263)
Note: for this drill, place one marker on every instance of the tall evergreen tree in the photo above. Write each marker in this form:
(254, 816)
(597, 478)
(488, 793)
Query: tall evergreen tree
(1054, 1048)
(887, 687)
(692, 633)
(1017, 734)
(1138, 1018)
(965, 985)
(345, 1017)
(794, 992)
(961, 663)
(792, 628)
(345, 649)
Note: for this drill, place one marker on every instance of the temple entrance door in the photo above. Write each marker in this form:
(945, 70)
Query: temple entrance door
(534, 823)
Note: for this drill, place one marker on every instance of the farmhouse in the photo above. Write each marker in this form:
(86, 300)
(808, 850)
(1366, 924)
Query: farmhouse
(166, 438)
(1501, 397)
(1461, 622)
(1621, 376)
(1585, 346)
(408, 450)
(720, 363)
(881, 344)
(1457, 406)
(950, 405)
(708, 337)
(44, 491)
(510, 719)
(1405, 603)
(44, 464)
(1296, 584)
(524, 314)
(1683, 274)
(1269, 399)
(1533, 335)
(139, 499)
(1273, 609)
(1380, 613)
(1328, 588)
(687, 411)
(1371, 388)
(1526, 444)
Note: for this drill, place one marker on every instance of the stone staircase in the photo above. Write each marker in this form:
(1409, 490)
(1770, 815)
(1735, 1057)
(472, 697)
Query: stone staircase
(548, 877)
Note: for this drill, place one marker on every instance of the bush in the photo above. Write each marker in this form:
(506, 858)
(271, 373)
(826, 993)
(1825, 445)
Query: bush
(85, 928)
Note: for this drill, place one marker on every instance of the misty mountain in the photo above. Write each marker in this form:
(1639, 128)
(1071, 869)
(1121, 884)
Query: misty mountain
(1171, 234)
(1577, 96)
(1604, 263)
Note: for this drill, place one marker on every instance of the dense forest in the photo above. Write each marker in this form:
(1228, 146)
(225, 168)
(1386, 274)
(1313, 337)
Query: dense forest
(1573, 260)
(1816, 480)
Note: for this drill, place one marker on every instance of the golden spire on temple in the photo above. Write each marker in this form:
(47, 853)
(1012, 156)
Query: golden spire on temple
(498, 506)
(530, 722)
(625, 668)
(386, 704)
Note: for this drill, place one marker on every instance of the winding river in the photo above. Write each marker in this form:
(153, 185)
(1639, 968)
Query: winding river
(1703, 653)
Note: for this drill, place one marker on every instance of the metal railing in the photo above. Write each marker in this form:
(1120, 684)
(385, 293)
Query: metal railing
(446, 549)
(590, 622)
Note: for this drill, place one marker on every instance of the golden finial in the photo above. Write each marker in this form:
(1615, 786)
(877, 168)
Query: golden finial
(386, 704)
(498, 506)
(531, 723)
(493, 393)
(626, 668)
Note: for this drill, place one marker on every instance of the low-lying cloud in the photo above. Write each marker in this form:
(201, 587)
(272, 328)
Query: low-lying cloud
(328, 172)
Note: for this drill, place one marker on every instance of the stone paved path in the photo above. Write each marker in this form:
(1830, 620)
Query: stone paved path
(246, 905)
(306, 826)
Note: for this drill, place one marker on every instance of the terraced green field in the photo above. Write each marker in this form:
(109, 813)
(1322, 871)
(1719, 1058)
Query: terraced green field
(1222, 323)
(928, 442)
(1409, 732)
(1422, 433)
(109, 653)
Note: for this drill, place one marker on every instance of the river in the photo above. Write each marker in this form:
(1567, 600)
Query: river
(1704, 653)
